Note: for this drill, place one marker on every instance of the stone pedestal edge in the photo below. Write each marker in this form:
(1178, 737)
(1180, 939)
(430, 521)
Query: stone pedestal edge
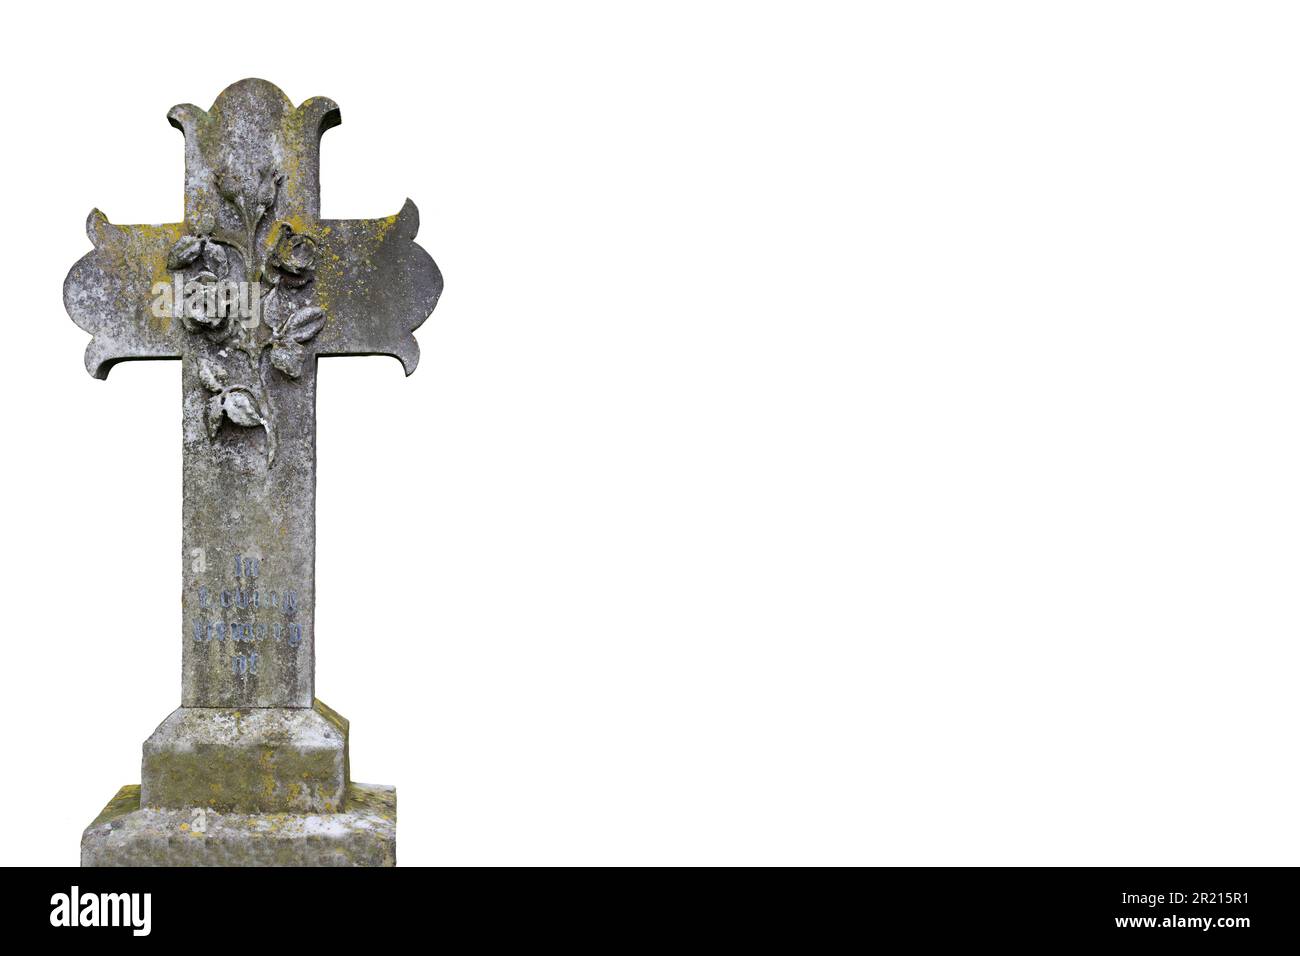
(363, 833)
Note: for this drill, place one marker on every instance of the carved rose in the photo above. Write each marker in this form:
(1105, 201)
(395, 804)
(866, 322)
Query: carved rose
(200, 312)
(293, 258)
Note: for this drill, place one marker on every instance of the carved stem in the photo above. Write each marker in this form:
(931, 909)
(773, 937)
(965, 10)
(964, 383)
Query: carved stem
(266, 406)
(253, 264)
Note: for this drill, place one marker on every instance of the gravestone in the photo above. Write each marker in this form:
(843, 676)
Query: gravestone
(247, 292)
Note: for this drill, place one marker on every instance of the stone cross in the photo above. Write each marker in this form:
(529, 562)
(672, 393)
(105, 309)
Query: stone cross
(248, 384)
(247, 292)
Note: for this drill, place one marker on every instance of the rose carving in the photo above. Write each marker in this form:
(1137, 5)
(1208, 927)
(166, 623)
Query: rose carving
(288, 262)
(292, 261)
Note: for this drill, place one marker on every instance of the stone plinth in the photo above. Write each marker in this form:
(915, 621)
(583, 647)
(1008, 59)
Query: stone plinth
(363, 833)
(257, 760)
(253, 787)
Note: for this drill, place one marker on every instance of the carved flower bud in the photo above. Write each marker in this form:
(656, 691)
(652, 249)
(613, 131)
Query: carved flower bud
(268, 183)
(227, 183)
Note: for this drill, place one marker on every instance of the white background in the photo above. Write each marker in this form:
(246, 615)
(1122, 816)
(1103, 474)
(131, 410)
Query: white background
(850, 434)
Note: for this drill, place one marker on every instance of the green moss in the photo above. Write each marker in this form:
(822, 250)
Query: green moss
(253, 770)
(127, 800)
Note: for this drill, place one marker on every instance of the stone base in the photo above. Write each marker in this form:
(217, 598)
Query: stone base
(363, 833)
(258, 760)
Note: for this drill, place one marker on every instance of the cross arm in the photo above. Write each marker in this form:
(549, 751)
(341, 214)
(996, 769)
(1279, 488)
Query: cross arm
(108, 293)
(376, 285)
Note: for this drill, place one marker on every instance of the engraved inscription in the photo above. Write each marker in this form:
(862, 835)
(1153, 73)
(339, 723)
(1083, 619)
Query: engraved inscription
(247, 612)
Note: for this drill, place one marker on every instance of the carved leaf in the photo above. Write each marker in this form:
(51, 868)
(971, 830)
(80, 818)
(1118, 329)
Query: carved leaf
(216, 259)
(288, 358)
(212, 376)
(214, 415)
(304, 324)
(242, 409)
(185, 251)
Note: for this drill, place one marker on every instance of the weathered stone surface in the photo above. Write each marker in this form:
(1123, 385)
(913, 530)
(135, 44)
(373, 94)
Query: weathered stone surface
(364, 833)
(261, 760)
(249, 291)
(248, 384)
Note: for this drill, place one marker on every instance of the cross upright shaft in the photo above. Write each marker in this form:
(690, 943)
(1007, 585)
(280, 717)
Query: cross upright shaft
(252, 234)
